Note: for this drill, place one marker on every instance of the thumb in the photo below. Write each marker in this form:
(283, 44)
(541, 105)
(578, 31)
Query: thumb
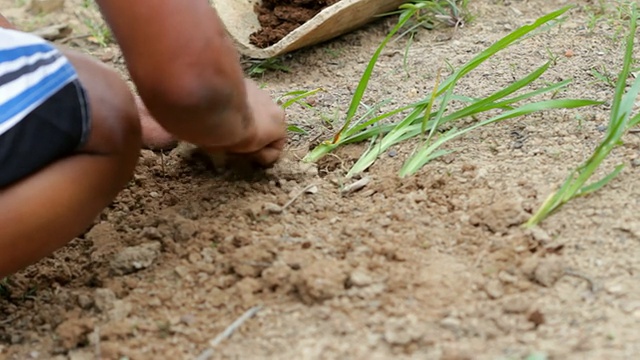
(270, 154)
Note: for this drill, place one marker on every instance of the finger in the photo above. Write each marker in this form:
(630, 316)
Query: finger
(278, 144)
(267, 156)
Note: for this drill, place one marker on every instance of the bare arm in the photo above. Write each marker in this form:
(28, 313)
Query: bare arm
(185, 67)
(4, 23)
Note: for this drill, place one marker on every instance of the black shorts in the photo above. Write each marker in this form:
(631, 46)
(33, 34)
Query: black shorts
(54, 130)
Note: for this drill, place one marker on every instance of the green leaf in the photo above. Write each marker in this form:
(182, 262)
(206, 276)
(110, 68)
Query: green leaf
(424, 155)
(602, 182)
(298, 95)
(620, 122)
(296, 129)
(364, 80)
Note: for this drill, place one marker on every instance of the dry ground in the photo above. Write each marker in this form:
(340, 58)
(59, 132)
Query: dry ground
(430, 267)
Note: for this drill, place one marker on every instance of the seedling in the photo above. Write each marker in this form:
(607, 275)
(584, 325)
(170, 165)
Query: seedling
(296, 97)
(422, 121)
(258, 67)
(620, 122)
(603, 76)
(453, 13)
(99, 32)
(429, 14)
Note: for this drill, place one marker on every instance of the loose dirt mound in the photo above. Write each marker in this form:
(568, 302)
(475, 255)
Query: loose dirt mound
(435, 266)
(280, 17)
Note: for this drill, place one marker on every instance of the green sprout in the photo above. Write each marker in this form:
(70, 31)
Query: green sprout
(422, 122)
(621, 121)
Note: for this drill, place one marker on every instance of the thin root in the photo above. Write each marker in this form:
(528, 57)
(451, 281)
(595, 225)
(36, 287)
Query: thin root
(293, 199)
(593, 286)
(207, 354)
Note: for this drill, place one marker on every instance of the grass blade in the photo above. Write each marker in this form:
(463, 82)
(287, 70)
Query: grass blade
(364, 80)
(298, 95)
(425, 155)
(602, 182)
(620, 122)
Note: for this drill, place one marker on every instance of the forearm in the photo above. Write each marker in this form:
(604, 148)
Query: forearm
(4, 23)
(184, 65)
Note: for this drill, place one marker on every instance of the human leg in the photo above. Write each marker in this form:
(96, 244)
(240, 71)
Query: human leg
(43, 211)
(154, 136)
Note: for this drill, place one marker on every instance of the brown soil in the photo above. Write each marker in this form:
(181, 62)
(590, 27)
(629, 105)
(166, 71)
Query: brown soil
(435, 266)
(280, 17)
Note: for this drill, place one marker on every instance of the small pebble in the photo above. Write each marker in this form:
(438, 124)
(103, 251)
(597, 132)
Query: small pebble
(272, 208)
(549, 271)
(311, 190)
(494, 289)
(187, 319)
(516, 305)
(450, 323)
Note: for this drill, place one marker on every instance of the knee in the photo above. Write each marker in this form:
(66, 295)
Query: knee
(115, 124)
(121, 118)
(115, 120)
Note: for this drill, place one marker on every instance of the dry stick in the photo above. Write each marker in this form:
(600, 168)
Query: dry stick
(164, 172)
(297, 196)
(207, 354)
(9, 320)
(98, 352)
(75, 37)
(593, 286)
(53, 32)
(358, 185)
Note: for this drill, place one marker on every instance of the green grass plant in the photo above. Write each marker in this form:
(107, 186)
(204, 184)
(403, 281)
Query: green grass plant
(258, 67)
(296, 97)
(620, 121)
(420, 121)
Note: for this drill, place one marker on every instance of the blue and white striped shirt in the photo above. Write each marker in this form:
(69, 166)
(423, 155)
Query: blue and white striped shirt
(31, 71)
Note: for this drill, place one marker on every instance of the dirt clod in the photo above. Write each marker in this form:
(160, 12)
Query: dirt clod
(434, 265)
(135, 258)
(271, 208)
(73, 332)
(277, 277)
(494, 289)
(104, 299)
(536, 317)
(549, 271)
(320, 281)
(251, 260)
(516, 304)
(500, 216)
(402, 331)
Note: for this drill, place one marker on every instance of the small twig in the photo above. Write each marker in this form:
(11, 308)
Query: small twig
(9, 320)
(75, 37)
(207, 354)
(358, 185)
(593, 286)
(480, 257)
(164, 172)
(296, 196)
(53, 32)
(98, 351)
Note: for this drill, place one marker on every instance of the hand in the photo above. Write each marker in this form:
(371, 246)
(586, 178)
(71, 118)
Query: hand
(154, 136)
(266, 139)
